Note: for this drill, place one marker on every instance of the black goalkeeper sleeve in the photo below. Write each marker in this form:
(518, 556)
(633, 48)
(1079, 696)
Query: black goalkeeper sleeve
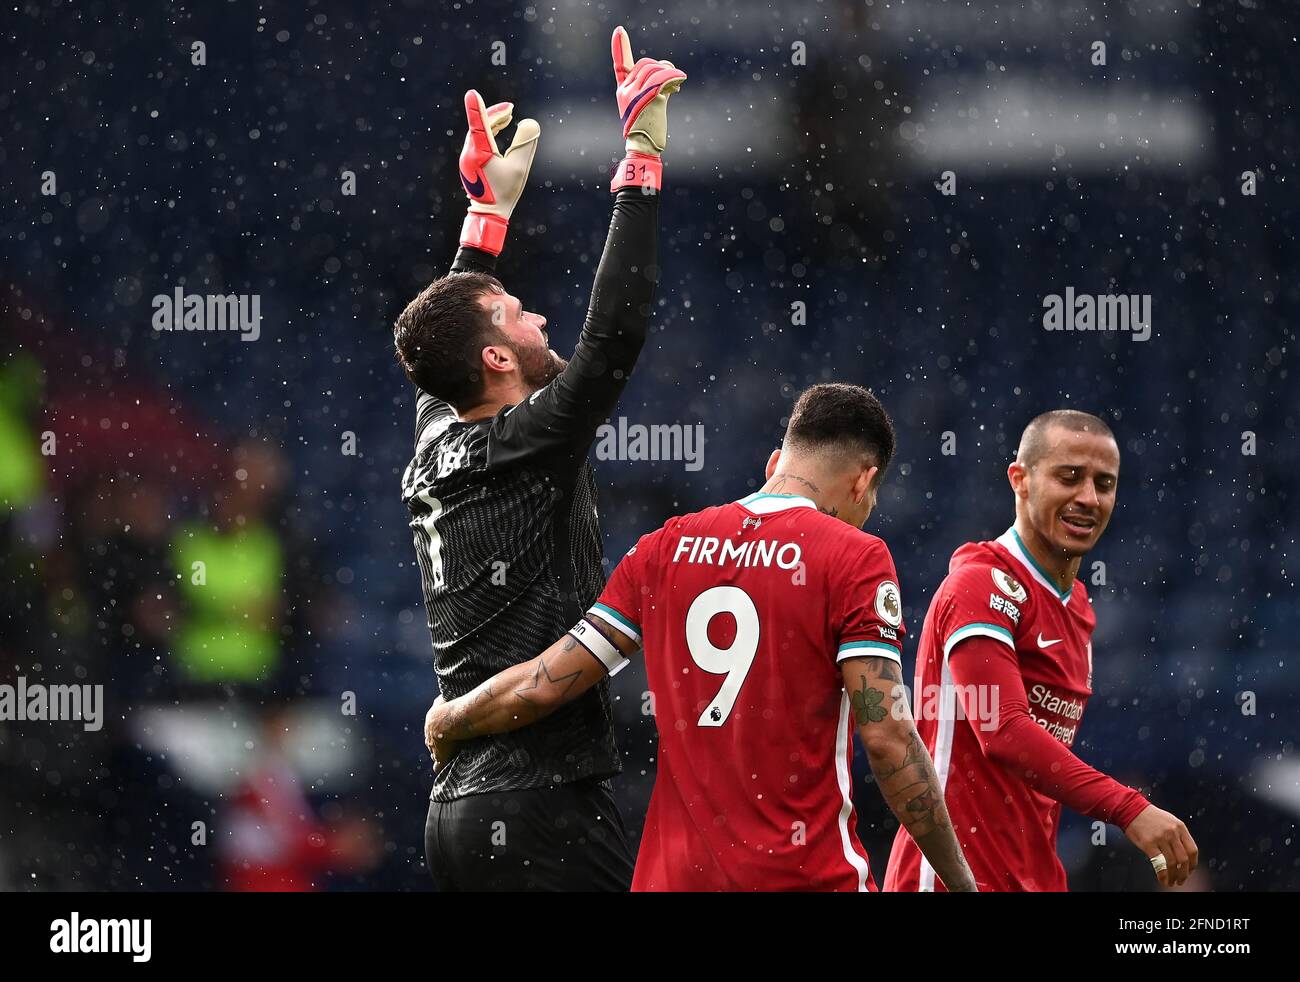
(567, 412)
(471, 260)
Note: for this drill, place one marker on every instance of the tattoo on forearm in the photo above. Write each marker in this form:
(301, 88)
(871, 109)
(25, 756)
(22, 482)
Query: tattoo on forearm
(542, 679)
(459, 724)
(908, 781)
(911, 787)
(469, 717)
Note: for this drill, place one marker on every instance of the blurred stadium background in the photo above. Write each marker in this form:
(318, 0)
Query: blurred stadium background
(789, 182)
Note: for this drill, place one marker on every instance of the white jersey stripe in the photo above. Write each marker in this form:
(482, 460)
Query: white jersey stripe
(842, 743)
(942, 751)
(948, 715)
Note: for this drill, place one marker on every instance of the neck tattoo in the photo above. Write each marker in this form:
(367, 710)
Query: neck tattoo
(781, 481)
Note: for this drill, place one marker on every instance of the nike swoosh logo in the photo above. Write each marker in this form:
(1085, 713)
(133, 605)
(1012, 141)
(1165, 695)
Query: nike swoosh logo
(637, 98)
(1047, 644)
(476, 189)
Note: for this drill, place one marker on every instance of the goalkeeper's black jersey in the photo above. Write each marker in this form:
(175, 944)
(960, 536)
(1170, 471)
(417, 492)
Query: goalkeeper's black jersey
(507, 535)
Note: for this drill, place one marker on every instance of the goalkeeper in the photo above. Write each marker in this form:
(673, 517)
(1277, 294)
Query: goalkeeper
(502, 499)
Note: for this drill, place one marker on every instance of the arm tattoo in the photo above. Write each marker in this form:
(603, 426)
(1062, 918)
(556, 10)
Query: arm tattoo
(535, 684)
(885, 668)
(868, 701)
(911, 787)
(459, 713)
(478, 714)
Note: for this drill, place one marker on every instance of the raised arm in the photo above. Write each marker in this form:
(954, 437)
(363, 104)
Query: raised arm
(493, 182)
(569, 410)
(1025, 749)
(902, 766)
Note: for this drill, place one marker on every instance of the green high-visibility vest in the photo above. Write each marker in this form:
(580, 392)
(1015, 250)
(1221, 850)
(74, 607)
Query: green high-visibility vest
(22, 473)
(231, 582)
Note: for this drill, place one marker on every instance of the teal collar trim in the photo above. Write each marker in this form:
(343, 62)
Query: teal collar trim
(764, 502)
(1011, 539)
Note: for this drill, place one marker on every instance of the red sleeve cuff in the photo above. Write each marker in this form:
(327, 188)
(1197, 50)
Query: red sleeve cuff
(1134, 805)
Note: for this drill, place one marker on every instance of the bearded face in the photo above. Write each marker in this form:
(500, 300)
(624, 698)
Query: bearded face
(538, 364)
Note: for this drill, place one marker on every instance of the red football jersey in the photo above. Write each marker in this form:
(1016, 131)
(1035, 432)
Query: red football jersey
(744, 612)
(1006, 828)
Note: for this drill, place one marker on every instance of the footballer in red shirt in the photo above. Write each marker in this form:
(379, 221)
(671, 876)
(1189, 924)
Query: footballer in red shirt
(771, 626)
(1004, 672)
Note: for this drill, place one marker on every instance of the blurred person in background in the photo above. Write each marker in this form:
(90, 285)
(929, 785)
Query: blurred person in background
(253, 602)
(269, 837)
(232, 570)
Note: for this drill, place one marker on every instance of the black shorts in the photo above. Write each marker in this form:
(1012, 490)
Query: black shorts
(565, 837)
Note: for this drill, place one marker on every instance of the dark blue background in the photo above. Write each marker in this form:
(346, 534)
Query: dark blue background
(225, 179)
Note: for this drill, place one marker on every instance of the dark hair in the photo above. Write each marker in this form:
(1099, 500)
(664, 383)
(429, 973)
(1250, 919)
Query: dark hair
(440, 336)
(1033, 442)
(842, 419)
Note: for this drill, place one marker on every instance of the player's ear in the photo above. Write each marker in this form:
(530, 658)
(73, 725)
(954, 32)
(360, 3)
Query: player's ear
(862, 484)
(771, 463)
(497, 358)
(1016, 474)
